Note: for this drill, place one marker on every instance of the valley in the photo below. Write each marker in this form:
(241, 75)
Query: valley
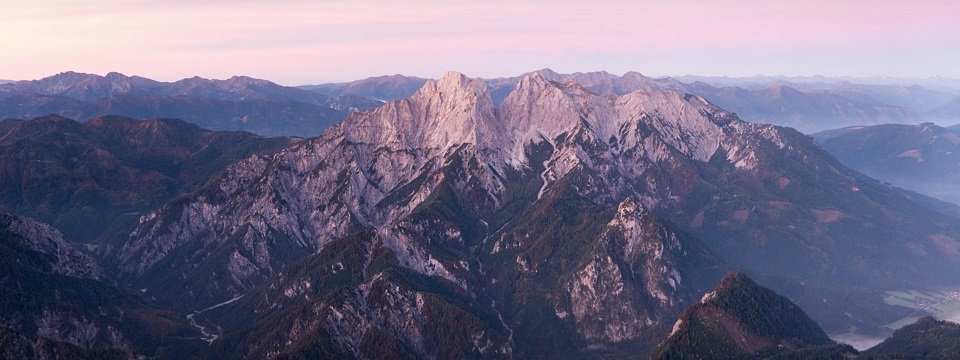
(943, 305)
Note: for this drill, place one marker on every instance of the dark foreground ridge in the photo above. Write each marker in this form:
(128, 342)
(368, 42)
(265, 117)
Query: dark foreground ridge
(742, 320)
(927, 338)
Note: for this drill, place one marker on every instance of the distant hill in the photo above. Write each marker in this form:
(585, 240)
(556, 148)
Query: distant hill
(238, 103)
(95, 178)
(383, 88)
(947, 113)
(806, 111)
(924, 158)
(927, 338)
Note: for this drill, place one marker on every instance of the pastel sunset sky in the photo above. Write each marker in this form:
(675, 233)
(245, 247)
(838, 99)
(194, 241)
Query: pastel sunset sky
(297, 42)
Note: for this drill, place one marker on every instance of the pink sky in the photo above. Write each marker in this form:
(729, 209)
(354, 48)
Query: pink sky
(299, 42)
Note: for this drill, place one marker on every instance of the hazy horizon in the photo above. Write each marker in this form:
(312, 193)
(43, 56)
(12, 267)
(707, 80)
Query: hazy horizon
(304, 42)
(798, 78)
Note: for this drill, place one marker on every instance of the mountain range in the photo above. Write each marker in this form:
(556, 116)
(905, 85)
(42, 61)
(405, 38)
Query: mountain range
(238, 103)
(262, 107)
(561, 216)
(807, 104)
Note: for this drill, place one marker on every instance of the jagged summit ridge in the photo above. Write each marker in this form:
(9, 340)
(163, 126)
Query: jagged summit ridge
(453, 110)
(457, 110)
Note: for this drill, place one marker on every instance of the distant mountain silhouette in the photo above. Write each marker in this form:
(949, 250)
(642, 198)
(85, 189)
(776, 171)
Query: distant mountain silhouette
(924, 158)
(238, 103)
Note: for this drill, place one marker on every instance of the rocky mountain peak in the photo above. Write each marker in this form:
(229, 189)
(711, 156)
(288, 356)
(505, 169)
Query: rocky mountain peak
(629, 206)
(736, 281)
(70, 76)
(594, 77)
(454, 79)
(192, 81)
(541, 110)
(632, 216)
(243, 82)
(114, 76)
(523, 108)
(534, 80)
(454, 89)
(456, 110)
(548, 74)
(451, 111)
